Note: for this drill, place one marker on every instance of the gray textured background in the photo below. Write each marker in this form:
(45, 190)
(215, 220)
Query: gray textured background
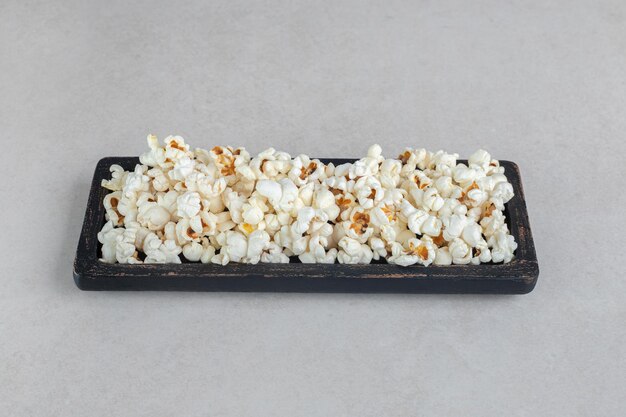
(542, 83)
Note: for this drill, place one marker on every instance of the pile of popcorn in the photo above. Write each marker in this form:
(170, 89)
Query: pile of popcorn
(223, 205)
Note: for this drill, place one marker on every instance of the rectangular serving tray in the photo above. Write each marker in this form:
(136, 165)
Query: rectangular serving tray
(517, 277)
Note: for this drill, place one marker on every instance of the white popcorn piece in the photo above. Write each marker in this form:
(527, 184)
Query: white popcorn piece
(324, 200)
(210, 189)
(474, 214)
(135, 233)
(118, 178)
(492, 223)
(274, 254)
(188, 204)
(155, 156)
(417, 219)
(183, 167)
(320, 257)
(388, 233)
(431, 226)
(136, 181)
(472, 234)
(225, 221)
(158, 251)
(460, 251)
(160, 182)
(168, 200)
(464, 175)
(208, 251)
(305, 195)
(390, 170)
(187, 230)
(304, 170)
(252, 214)
(153, 216)
(234, 246)
(353, 252)
(422, 251)
(443, 256)
(125, 251)
(271, 190)
(379, 249)
(368, 192)
(502, 193)
(358, 225)
(453, 226)
(108, 237)
(443, 162)
(444, 186)
(258, 241)
(288, 195)
(502, 246)
(111, 205)
(175, 148)
(431, 200)
(192, 251)
(481, 253)
(480, 159)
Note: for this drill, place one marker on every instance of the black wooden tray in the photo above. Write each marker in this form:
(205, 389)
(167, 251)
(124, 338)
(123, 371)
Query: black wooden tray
(517, 277)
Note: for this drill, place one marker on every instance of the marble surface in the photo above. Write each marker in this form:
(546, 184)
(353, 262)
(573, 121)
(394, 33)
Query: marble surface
(542, 83)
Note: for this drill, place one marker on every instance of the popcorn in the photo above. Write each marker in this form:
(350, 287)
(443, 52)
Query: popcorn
(464, 175)
(188, 204)
(258, 241)
(431, 226)
(158, 251)
(136, 181)
(305, 170)
(108, 237)
(353, 252)
(252, 214)
(460, 251)
(379, 249)
(160, 182)
(503, 245)
(492, 223)
(444, 162)
(443, 256)
(155, 156)
(118, 178)
(422, 251)
(153, 216)
(319, 256)
(390, 173)
(208, 251)
(222, 205)
(453, 226)
(182, 169)
(111, 204)
(358, 226)
(472, 234)
(368, 191)
(233, 246)
(188, 230)
(175, 148)
(502, 193)
(481, 253)
(236, 248)
(192, 251)
(273, 254)
(324, 200)
(416, 220)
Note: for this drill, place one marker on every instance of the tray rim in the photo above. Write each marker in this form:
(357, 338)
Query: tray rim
(517, 277)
